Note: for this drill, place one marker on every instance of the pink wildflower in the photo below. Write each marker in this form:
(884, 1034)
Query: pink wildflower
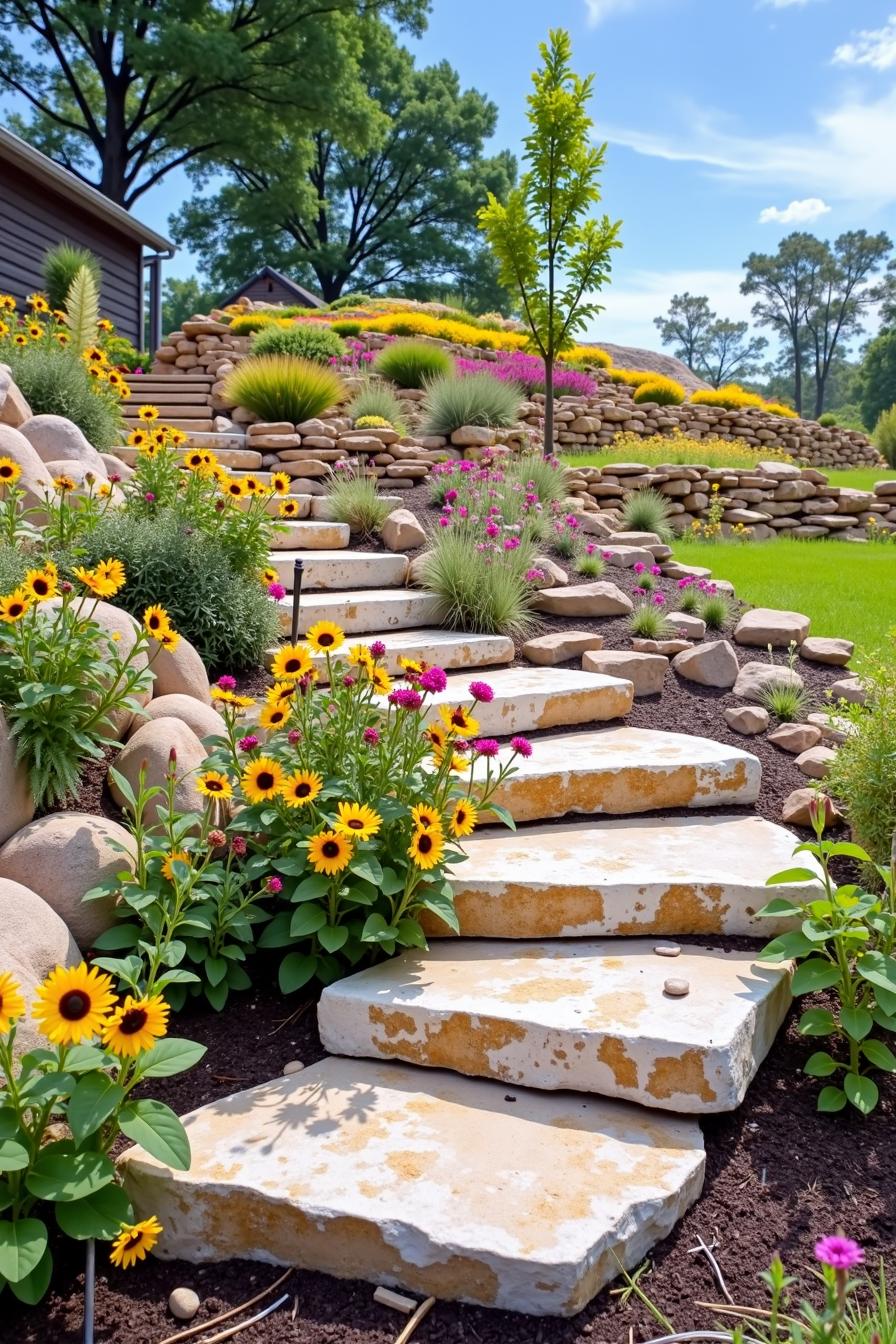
(433, 680)
(274, 885)
(481, 691)
(522, 746)
(248, 743)
(378, 648)
(371, 737)
(405, 698)
(486, 746)
(839, 1252)
(238, 845)
(276, 591)
(227, 683)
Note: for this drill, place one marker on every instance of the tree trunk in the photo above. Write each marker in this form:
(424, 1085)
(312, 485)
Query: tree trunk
(797, 375)
(548, 446)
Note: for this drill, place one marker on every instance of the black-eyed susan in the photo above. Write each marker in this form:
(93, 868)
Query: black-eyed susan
(426, 848)
(93, 355)
(136, 1024)
(325, 637)
(330, 852)
(124, 391)
(41, 584)
(169, 640)
(35, 330)
(195, 460)
(4, 328)
(274, 716)
(12, 1004)
(252, 485)
(159, 437)
(357, 820)
(289, 508)
(176, 856)
(261, 779)
(280, 482)
(426, 817)
(147, 414)
(359, 655)
(134, 1241)
(114, 379)
(463, 818)
(292, 661)
(176, 437)
(233, 488)
(269, 575)
(380, 679)
(156, 621)
(301, 788)
(227, 697)
(437, 736)
(214, 784)
(20, 339)
(411, 668)
(458, 721)
(64, 484)
(111, 572)
(280, 692)
(138, 438)
(62, 338)
(95, 371)
(37, 303)
(105, 325)
(14, 606)
(9, 471)
(72, 1003)
(7, 303)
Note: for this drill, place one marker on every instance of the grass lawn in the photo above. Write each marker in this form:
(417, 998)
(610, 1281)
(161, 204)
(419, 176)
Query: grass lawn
(847, 588)
(861, 478)
(717, 455)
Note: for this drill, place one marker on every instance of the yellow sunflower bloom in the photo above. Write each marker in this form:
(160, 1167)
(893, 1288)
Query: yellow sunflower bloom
(280, 482)
(269, 575)
(195, 460)
(234, 488)
(12, 1004)
(156, 621)
(231, 698)
(4, 328)
(136, 1024)
(426, 817)
(458, 721)
(147, 414)
(357, 820)
(41, 584)
(289, 508)
(64, 484)
(38, 303)
(301, 788)
(14, 606)
(176, 855)
(111, 572)
(329, 852)
(7, 303)
(426, 848)
(9, 471)
(359, 655)
(72, 1003)
(169, 640)
(134, 1241)
(138, 438)
(280, 692)
(437, 736)
(35, 331)
(292, 661)
(274, 716)
(463, 818)
(411, 668)
(252, 485)
(20, 339)
(325, 637)
(213, 784)
(176, 437)
(62, 337)
(382, 682)
(261, 779)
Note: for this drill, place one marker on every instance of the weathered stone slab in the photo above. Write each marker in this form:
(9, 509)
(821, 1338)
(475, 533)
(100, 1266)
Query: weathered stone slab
(366, 611)
(584, 599)
(442, 647)
(762, 626)
(559, 646)
(645, 671)
(311, 535)
(330, 570)
(528, 698)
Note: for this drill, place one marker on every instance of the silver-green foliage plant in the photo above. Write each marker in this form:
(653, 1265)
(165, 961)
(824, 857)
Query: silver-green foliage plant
(60, 266)
(375, 398)
(863, 772)
(355, 500)
(305, 340)
(413, 364)
(54, 381)
(481, 592)
(473, 399)
(82, 309)
(646, 510)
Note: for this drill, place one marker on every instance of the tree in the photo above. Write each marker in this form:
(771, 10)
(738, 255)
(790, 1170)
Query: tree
(548, 251)
(878, 385)
(787, 284)
(714, 348)
(123, 93)
(312, 206)
(182, 298)
(685, 326)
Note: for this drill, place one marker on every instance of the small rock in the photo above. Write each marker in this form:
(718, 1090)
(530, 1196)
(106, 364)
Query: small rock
(834, 728)
(183, 1304)
(816, 762)
(667, 647)
(848, 688)
(834, 652)
(667, 950)
(712, 664)
(753, 678)
(677, 989)
(796, 806)
(292, 1066)
(765, 625)
(646, 671)
(749, 720)
(554, 575)
(402, 532)
(584, 599)
(560, 645)
(796, 737)
(181, 672)
(686, 625)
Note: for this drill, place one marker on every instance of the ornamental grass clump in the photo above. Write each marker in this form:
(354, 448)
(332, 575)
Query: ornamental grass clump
(646, 510)
(484, 588)
(885, 435)
(863, 773)
(649, 620)
(474, 399)
(281, 387)
(376, 398)
(354, 499)
(413, 364)
(714, 608)
(303, 340)
(589, 562)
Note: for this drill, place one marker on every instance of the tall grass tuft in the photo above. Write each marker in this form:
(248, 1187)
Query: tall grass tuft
(376, 398)
(279, 387)
(885, 435)
(480, 593)
(715, 610)
(413, 364)
(354, 500)
(650, 622)
(59, 268)
(474, 399)
(785, 701)
(545, 474)
(646, 511)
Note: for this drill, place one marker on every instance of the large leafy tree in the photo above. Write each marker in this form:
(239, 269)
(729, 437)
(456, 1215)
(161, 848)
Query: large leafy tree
(549, 251)
(716, 349)
(878, 378)
(123, 91)
(685, 326)
(786, 284)
(329, 215)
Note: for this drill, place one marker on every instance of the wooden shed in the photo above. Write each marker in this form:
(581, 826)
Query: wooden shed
(270, 286)
(42, 203)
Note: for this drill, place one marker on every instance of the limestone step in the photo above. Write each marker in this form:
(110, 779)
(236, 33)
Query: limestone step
(365, 611)
(441, 647)
(235, 458)
(587, 1014)
(367, 1171)
(190, 410)
(307, 534)
(624, 770)
(528, 698)
(653, 875)
(200, 424)
(329, 570)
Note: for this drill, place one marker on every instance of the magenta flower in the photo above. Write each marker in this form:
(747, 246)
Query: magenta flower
(839, 1252)
(534, 575)
(640, 592)
(486, 746)
(511, 543)
(639, 568)
(378, 648)
(293, 736)
(238, 845)
(405, 698)
(348, 681)
(450, 496)
(371, 737)
(149, 497)
(656, 571)
(686, 582)
(606, 555)
(433, 680)
(276, 591)
(659, 600)
(522, 746)
(248, 743)
(274, 885)
(481, 691)
(216, 838)
(492, 530)
(444, 522)
(227, 683)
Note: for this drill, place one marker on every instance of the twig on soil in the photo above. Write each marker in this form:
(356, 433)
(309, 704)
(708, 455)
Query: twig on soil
(423, 1310)
(707, 1250)
(753, 1313)
(244, 1325)
(702, 1335)
(293, 1017)
(226, 1315)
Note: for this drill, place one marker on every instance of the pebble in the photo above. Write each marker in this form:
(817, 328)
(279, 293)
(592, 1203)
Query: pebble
(667, 950)
(677, 988)
(294, 1066)
(183, 1303)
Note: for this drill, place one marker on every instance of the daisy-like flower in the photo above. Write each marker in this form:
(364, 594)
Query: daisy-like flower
(301, 788)
(234, 489)
(214, 784)
(359, 655)
(134, 1241)
(111, 572)
(9, 471)
(7, 303)
(357, 820)
(458, 720)
(64, 484)
(105, 325)
(839, 1252)
(178, 856)
(37, 303)
(426, 848)
(138, 438)
(261, 779)
(147, 414)
(380, 679)
(135, 1025)
(268, 576)
(35, 331)
(274, 716)
(252, 485)
(192, 461)
(20, 339)
(280, 482)
(156, 621)
(72, 1003)
(12, 1004)
(169, 640)
(436, 735)
(280, 692)
(289, 508)
(14, 606)
(177, 437)
(463, 818)
(231, 698)
(325, 637)
(426, 817)
(330, 852)
(41, 584)
(412, 669)
(291, 661)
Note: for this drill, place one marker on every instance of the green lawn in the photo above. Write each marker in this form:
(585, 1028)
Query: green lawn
(847, 588)
(861, 478)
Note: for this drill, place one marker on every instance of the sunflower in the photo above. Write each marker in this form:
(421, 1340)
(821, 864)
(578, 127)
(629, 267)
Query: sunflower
(380, 678)
(159, 436)
(72, 1002)
(111, 572)
(156, 621)
(64, 484)
(269, 575)
(19, 339)
(41, 584)
(138, 438)
(147, 414)
(289, 508)
(35, 331)
(136, 1024)
(357, 820)
(234, 488)
(274, 716)
(426, 848)
(169, 640)
(426, 817)
(261, 779)
(325, 637)
(105, 490)
(105, 325)
(291, 661)
(225, 697)
(7, 303)
(280, 692)
(463, 818)
(458, 721)
(176, 855)
(301, 788)
(95, 371)
(195, 460)
(133, 1242)
(213, 784)
(280, 482)
(437, 736)
(411, 668)
(9, 471)
(4, 329)
(62, 337)
(329, 852)
(359, 655)
(12, 1005)
(176, 437)
(252, 485)
(114, 378)
(14, 605)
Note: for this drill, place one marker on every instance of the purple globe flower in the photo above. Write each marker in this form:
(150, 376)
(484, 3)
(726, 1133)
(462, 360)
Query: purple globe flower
(276, 591)
(248, 743)
(839, 1252)
(371, 737)
(227, 683)
(405, 698)
(522, 746)
(433, 680)
(378, 648)
(486, 746)
(480, 690)
(274, 885)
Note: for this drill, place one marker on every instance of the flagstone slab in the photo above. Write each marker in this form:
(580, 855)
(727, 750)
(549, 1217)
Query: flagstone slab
(425, 1181)
(444, 648)
(588, 1014)
(310, 534)
(660, 875)
(528, 698)
(336, 569)
(365, 611)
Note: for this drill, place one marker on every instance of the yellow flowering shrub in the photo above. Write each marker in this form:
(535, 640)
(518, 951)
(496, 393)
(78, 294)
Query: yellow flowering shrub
(632, 377)
(662, 391)
(584, 356)
(425, 324)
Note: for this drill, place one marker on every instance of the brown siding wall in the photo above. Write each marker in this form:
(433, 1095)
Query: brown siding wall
(33, 217)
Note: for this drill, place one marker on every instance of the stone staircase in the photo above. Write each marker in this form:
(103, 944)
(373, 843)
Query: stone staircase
(185, 403)
(509, 1116)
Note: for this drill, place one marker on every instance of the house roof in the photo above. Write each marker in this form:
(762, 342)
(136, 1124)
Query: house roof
(16, 151)
(302, 295)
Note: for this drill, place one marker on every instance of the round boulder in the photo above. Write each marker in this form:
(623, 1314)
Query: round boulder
(33, 940)
(123, 631)
(56, 439)
(149, 749)
(14, 444)
(204, 720)
(60, 857)
(18, 804)
(181, 672)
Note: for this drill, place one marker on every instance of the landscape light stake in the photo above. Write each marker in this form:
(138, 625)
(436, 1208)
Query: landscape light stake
(298, 570)
(89, 1289)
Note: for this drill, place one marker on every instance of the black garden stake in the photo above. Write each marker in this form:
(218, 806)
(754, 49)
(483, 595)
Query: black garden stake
(297, 572)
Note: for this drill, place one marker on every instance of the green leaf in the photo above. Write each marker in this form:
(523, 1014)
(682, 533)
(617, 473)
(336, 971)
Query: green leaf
(880, 1055)
(813, 975)
(31, 1289)
(119, 937)
(295, 972)
(99, 1215)
(312, 888)
(215, 970)
(817, 1022)
(22, 1245)
(886, 1000)
(9, 1122)
(13, 1155)
(880, 971)
(442, 905)
(376, 930)
(791, 875)
(503, 815)
(862, 1092)
(276, 933)
(831, 1099)
(391, 882)
(367, 867)
(332, 937)
(156, 1128)
(171, 1055)
(788, 945)
(307, 920)
(81, 1058)
(60, 1173)
(856, 1022)
(293, 865)
(821, 1065)
(410, 933)
(94, 1099)
(780, 906)
(886, 1021)
(217, 995)
(845, 849)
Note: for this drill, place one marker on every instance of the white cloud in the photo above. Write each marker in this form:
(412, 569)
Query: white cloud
(872, 46)
(598, 10)
(848, 156)
(797, 212)
(637, 297)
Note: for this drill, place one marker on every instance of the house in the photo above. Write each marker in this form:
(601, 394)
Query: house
(270, 286)
(42, 203)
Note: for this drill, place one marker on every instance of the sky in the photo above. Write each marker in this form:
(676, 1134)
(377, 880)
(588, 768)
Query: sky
(728, 123)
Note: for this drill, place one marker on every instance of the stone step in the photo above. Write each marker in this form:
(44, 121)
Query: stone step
(367, 1171)
(235, 457)
(624, 770)
(308, 534)
(329, 570)
(189, 410)
(588, 1014)
(199, 424)
(528, 698)
(650, 875)
(365, 611)
(441, 647)
(166, 379)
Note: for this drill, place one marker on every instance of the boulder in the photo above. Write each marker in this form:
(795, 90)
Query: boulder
(815, 761)
(56, 439)
(748, 719)
(123, 629)
(416, 575)
(561, 645)
(115, 467)
(204, 719)
(712, 664)
(33, 941)
(60, 857)
(646, 671)
(834, 728)
(849, 689)
(180, 672)
(17, 807)
(795, 810)
(667, 647)
(14, 444)
(584, 599)
(762, 626)
(687, 626)
(554, 575)
(834, 652)
(402, 532)
(754, 678)
(150, 748)
(626, 557)
(14, 409)
(795, 737)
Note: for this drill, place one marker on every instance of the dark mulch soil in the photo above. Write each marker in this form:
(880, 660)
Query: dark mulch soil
(778, 1174)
